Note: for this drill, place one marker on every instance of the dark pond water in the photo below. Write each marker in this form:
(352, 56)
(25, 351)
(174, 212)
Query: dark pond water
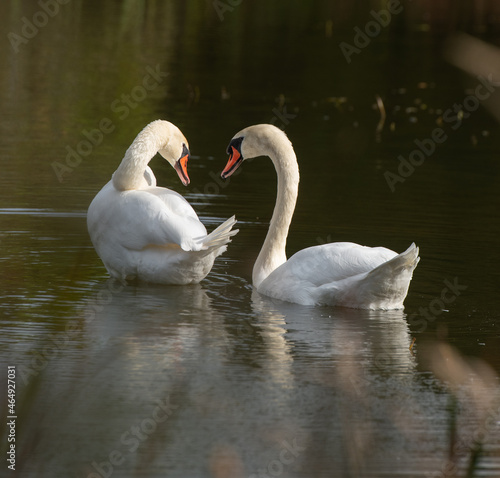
(214, 380)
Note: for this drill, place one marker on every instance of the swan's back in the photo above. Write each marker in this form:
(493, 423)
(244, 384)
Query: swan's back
(319, 265)
(336, 261)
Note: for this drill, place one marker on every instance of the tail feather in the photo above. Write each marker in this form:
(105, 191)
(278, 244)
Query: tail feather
(220, 236)
(384, 287)
(406, 261)
(387, 285)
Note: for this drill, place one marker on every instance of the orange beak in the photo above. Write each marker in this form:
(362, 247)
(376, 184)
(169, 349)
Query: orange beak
(235, 159)
(181, 166)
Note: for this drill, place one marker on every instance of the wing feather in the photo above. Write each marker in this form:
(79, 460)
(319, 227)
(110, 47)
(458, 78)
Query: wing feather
(149, 217)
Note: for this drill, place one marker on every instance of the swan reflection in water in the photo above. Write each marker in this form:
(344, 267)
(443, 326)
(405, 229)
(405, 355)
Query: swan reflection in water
(383, 412)
(355, 370)
(178, 380)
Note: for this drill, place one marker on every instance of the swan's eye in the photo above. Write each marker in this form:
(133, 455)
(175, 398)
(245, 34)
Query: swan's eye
(236, 144)
(185, 151)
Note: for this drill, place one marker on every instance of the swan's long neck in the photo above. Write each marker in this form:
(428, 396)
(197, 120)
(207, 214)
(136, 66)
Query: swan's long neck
(273, 254)
(130, 173)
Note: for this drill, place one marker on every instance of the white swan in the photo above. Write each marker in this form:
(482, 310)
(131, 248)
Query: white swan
(341, 273)
(150, 233)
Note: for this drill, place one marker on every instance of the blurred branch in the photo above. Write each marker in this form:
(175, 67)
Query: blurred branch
(477, 58)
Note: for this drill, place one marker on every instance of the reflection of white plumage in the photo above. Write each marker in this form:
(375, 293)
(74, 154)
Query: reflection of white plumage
(341, 273)
(150, 233)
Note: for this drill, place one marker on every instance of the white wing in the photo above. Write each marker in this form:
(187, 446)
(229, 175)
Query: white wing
(137, 219)
(336, 261)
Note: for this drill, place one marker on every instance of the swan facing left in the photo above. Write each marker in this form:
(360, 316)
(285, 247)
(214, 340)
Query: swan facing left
(141, 231)
(340, 273)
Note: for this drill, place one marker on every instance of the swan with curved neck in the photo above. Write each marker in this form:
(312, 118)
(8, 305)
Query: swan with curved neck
(157, 137)
(141, 231)
(342, 273)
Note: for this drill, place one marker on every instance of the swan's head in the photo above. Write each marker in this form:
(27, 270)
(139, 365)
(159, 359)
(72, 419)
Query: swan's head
(157, 137)
(256, 140)
(178, 157)
(175, 150)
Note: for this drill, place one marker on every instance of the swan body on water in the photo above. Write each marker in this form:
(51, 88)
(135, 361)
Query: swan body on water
(341, 273)
(145, 232)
